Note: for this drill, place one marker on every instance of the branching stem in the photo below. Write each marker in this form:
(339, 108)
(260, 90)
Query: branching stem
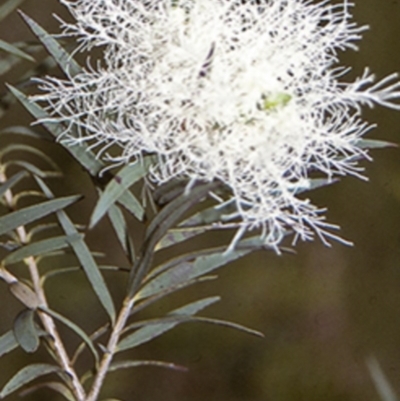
(48, 323)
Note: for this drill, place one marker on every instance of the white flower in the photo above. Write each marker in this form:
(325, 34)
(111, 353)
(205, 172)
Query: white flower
(247, 92)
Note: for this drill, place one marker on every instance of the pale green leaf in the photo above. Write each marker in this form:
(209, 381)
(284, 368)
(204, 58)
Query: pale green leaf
(74, 328)
(25, 131)
(33, 169)
(374, 144)
(26, 375)
(175, 236)
(29, 214)
(41, 248)
(25, 331)
(55, 386)
(63, 59)
(188, 270)
(9, 48)
(80, 152)
(121, 229)
(85, 257)
(123, 180)
(8, 7)
(11, 182)
(134, 364)
(150, 332)
(381, 382)
(7, 343)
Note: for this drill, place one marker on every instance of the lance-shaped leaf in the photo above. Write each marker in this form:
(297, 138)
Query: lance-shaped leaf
(374, 144)
(9, 48)
(55, 386)
(26, 375)
(74, 328)
(134, 364)
(11, 182)
(188, 270)
(85, 257)
(80, 152)
(123, 180)
(63, 59)
(152, 331)
(25, 331)
(29, 214)
(121, 229)
(41, 248)
(175, 236)
(8, 7)
(25, 131)
(8, 343)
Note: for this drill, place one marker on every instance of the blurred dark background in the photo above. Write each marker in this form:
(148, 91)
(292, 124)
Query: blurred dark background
(323, 310)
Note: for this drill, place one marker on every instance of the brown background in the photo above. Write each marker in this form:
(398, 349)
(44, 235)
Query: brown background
(323, 310)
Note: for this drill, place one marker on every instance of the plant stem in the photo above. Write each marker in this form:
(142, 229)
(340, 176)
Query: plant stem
(48, 323)
(111, 348)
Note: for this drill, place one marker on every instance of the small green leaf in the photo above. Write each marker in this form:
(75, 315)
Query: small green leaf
(80, 152)
(123, 180)
(150, 332)
(177, 235)
(374, 144)
(41, 248)
(131, 204)
(7, 343)
(26, 375)
(31, 168)
(85, 258)
(74, 328)
(134, 364)
(29, 214)
(63, 59)
(121, 229)
(381, 382)
(8, 7)
(11, 182)
(188, 270)
(25, 131)
(25, 331)
(7, 47)
(56, 386)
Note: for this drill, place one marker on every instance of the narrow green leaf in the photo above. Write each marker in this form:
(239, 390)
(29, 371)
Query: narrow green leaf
(382, 384)
(131, 204)
(8, 7)
(374, 144)
(31, 168)
(80, 152)
(41, 248)
(85, 257)
(189, 270)
(134, 364)
(63, 59)
(25, 131)
(123, 180)
(25, 331)
(11, 182)
(19, 147)
(74, 328)
(178, 235)
(9, 48)
(208, 216)
(7, 343)
(315, 183)
(55, 386)
(121, 229)
(29, 214)
(150, 332)
(26, 375)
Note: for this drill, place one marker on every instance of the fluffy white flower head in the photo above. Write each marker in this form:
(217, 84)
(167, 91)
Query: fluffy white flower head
(246, 92)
